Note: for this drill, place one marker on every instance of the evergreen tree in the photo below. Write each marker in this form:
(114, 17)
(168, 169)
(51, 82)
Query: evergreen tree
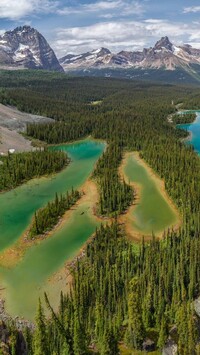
(79, 337)
(40, 336)
(135, 323)
(109, 343)
(163, 334)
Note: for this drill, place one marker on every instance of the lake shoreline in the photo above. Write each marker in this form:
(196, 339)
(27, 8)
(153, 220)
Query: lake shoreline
(52, 175)
(190, 135)
(62, 278)
(13, 255)
(36, 178)
(193, 130)
(19, 255)
(81, 140)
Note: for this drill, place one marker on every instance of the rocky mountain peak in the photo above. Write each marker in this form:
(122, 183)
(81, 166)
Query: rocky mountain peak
(101, 51)
(24, 28)
(25, 47)
(94, 57)
(164, 43)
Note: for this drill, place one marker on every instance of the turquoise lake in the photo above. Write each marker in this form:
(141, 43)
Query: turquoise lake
(23, 284)
(17, 206)
(194, 129)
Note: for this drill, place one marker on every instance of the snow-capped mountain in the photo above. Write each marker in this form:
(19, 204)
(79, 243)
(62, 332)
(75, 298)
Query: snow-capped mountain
(164, 55)
(25, 47)
(94, 58)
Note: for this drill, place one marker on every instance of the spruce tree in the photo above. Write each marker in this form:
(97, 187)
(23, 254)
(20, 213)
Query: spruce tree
(40, 336)
(135, 323)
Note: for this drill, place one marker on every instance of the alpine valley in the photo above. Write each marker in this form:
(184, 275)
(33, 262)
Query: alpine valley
(99, 188)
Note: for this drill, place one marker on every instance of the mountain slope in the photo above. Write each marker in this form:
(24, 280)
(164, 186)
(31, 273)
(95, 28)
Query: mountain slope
(25, 47)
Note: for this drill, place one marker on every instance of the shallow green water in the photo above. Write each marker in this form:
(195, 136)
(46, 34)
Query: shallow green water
(23, 283)
(194, 129)
(152, 214)
(18, 206)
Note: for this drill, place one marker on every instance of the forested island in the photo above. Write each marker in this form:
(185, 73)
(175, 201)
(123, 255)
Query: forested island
(47, 217)
(124, 296)
(15, 169)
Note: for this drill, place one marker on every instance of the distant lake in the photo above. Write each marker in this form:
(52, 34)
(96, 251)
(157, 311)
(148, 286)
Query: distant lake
(194, 129)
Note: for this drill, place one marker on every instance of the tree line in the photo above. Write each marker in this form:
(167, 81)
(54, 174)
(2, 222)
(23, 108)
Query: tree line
(187, 117)
(47, 217)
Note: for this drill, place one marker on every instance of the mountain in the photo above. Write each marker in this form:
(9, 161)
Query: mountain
(94, 58)
(25, 47)
(164, 55)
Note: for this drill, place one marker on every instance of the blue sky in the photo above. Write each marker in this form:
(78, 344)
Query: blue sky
(75, 26)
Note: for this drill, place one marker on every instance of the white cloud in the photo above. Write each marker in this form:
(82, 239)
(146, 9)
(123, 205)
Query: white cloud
(191, 9)
(17, 9)
(106, 9)
(195, 44)
(151, 20)
(118, 35)
(166, 28)
(114, 35)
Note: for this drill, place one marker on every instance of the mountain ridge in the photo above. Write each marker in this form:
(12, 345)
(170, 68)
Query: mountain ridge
(26, 48)
(164, 55)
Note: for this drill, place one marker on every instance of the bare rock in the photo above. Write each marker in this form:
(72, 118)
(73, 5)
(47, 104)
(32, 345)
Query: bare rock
(149, 345)
(170, 348)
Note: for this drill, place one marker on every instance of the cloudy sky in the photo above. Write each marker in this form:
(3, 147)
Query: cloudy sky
(75, 26)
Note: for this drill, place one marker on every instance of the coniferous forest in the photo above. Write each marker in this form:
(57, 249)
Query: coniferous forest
(180, 118)
(123, 294)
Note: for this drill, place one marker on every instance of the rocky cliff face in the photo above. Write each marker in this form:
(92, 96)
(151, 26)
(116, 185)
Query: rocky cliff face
(25, 47)
(164, 55)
